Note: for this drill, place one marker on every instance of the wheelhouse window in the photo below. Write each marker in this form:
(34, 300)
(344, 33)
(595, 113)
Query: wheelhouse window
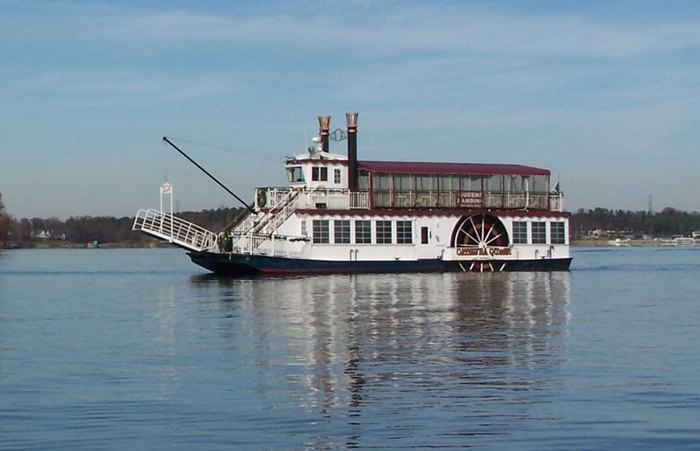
(519, 232)
(539, 232)
(319, 174)
(341, 231)
(557, 232)
(321, 233)
(363, 232)
(383, 232)
(336, 176)
(295, 174)
(404, 232)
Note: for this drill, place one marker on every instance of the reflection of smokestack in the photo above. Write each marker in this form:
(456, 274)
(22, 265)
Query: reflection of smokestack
(352, 150)
(324, 123)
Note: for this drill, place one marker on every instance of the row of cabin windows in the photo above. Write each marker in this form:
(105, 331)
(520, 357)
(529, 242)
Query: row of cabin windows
(383, 232)
(489, 183)
(538, 232)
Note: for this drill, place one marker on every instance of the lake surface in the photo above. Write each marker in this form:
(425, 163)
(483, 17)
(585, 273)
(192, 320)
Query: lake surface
(140, 349)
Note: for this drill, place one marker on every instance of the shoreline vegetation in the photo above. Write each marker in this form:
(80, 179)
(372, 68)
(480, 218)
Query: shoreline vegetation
(597, 227)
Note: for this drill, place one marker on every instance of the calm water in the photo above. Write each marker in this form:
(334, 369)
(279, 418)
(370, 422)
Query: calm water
(123, 349)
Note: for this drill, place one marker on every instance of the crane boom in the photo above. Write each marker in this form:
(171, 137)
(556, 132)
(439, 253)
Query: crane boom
(165, 138)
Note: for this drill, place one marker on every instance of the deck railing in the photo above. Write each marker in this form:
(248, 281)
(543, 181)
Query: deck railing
(343, 199)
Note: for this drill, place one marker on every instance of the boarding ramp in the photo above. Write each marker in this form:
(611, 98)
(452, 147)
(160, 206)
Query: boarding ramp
(174, 230)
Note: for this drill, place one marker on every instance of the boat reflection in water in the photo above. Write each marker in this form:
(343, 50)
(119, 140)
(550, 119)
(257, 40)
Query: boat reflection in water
(456, 353)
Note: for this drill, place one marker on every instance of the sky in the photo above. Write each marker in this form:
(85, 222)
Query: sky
(604, 94)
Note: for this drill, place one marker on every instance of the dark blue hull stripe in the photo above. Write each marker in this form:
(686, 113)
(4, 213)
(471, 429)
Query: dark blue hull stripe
(259, 264)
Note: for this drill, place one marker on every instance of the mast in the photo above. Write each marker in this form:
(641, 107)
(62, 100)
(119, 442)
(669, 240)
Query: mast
(165, 138)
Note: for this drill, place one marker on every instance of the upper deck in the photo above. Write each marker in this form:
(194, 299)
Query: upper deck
(419, 185)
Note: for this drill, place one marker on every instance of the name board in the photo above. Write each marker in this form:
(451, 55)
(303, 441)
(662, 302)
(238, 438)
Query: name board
(470, 199)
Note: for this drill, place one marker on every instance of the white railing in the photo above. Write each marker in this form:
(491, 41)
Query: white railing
(340, 199)
(274, 246)
(174, 230)
(556, 201)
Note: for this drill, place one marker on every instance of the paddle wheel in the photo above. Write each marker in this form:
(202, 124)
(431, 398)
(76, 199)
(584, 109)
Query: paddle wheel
(483, 237)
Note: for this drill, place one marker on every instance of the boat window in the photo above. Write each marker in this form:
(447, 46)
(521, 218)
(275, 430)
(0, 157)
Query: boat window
(447, 183)
(424, 235)
(382, 182)
(336, 176)
(403, 182)
(492, 183)
(341, 231)
(363, 180)
(513, 183)
(519, 232)
(404, 232)
(295, 174)
(383, 232)
(426, 183)
(538, 232)
(321, 234)
(363, 232)
(540, 183)
(319, 174)
(557, 232)
(471, 183)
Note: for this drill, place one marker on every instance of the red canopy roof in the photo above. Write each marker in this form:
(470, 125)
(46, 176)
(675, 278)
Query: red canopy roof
(405, 167)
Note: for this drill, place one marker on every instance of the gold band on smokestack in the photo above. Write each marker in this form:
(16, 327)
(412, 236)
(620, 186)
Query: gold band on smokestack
(352, 150)
(324, 124)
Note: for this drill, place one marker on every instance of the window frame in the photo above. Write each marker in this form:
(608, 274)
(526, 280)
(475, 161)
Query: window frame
(363, 231)
(341, 231)
(383, 232)
(520, 235)
(538, 232)
(321, 231)
(404, 232)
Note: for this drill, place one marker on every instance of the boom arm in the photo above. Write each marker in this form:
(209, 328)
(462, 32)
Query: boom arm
(165, 138)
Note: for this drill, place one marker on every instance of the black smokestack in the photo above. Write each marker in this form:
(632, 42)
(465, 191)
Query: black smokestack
(324, 123)
(352, 150)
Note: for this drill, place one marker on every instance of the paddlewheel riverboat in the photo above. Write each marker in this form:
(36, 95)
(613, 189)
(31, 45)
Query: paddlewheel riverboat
(344, 215)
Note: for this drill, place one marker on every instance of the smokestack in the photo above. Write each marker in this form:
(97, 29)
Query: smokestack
(324, 123)
(352, 150)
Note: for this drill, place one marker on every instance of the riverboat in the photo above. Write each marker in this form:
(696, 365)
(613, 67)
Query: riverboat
(343, 215)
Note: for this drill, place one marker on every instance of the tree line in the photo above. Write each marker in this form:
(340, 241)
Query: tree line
(28, 232)
(666, 223)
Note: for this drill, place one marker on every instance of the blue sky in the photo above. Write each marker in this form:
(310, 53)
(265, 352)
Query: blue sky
(604, 94)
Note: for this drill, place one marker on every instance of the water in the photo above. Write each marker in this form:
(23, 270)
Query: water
(120, 349)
